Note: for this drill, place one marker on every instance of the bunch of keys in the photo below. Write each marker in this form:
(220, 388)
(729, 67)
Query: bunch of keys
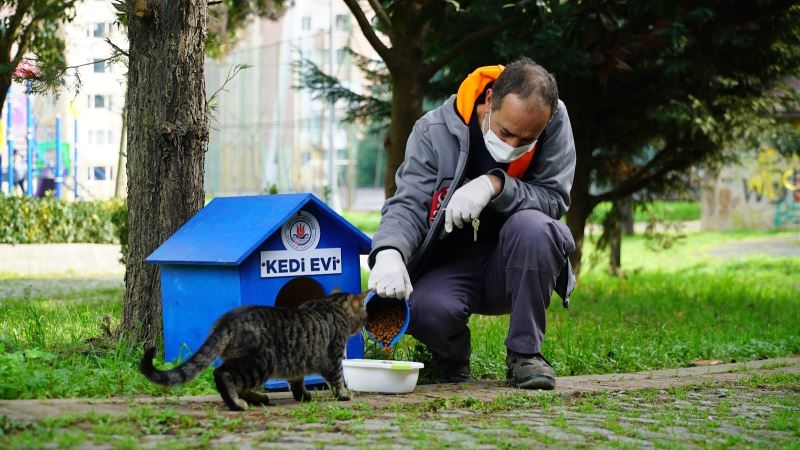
(475, 224)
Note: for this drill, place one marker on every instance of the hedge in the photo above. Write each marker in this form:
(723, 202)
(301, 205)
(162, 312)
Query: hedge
(26, 220)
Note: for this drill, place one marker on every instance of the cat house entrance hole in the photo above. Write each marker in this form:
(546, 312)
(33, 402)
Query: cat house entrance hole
(297, 291)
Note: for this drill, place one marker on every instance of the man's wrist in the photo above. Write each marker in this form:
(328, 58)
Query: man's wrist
(497, 184)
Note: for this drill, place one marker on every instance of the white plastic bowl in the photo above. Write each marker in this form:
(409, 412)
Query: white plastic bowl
(386, 377)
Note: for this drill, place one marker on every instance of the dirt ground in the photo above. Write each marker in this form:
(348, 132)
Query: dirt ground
(688, 407)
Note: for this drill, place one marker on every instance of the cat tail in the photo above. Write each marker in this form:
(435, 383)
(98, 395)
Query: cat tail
(190, 368)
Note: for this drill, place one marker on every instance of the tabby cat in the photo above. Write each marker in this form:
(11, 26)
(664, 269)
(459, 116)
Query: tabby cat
(257, 343)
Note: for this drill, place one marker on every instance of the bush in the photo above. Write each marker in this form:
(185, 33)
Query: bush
(25, 220)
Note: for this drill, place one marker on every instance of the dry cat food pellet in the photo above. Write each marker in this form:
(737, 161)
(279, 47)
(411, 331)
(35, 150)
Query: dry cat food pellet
(385, 318)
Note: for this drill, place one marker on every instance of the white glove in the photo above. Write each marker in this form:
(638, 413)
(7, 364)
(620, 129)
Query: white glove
(467, 202)
(389, 277)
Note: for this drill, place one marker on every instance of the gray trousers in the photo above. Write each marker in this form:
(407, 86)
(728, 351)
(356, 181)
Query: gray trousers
(515, 276)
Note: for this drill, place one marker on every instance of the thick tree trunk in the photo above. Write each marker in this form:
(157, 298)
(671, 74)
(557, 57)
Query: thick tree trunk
(167, 138)
(407, 97)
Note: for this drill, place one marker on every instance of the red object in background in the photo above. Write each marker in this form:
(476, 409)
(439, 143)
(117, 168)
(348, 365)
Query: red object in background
(25, 69)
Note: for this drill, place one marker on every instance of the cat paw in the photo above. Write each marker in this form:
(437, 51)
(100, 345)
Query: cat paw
(238, 405)
(255, 398)
(343, 398)
(302, 396)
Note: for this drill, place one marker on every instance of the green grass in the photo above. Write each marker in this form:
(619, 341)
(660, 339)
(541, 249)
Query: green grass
(49, 349)
(366, 221)
(672, 307)
(661, 210)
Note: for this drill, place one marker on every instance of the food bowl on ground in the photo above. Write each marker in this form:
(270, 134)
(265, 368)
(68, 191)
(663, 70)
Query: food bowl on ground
(375, 375)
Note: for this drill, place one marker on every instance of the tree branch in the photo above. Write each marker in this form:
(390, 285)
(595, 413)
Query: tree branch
(468, 40)
(116, 47)
(13, 25)
(381, 13)
(646, 175)
(22, 44)
(369, 32)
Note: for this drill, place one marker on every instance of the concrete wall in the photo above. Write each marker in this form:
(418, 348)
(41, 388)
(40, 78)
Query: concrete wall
(763, 193)
(53, 259)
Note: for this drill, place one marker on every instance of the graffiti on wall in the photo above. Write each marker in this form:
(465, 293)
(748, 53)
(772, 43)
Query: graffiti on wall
(777, 181)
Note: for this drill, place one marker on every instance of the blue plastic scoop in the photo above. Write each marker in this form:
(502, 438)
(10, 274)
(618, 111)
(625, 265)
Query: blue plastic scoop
(373, 301)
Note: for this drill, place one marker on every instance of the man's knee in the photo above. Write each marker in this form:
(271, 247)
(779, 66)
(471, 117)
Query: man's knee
(436, 314)
(532, 232)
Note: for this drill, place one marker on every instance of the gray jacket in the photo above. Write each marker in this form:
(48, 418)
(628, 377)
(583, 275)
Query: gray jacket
(436, 157)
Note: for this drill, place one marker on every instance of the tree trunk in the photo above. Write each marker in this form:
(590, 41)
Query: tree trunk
(615, 237)
(581, 205)
(407, 96)
(167, 138)
(5, 83)
(626, 215)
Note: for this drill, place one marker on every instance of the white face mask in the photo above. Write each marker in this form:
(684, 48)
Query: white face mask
(500, 151)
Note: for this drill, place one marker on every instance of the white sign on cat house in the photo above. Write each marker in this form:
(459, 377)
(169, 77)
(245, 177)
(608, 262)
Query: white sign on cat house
(301, 235)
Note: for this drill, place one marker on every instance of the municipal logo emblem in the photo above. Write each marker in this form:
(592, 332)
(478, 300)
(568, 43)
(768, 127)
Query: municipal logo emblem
(301, 232)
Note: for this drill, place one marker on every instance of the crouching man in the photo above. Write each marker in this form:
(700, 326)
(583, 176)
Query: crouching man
(474, 225)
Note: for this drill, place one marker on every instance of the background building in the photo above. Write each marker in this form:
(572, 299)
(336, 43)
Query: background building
(97, 107)
(264, 133)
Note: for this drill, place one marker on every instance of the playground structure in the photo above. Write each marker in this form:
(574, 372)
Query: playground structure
(48, 163)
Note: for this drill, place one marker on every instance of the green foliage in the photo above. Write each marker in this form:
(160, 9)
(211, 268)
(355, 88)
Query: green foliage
(371, 157)
(26, 220)
(36, 32)
(665, 84)
(372, 107)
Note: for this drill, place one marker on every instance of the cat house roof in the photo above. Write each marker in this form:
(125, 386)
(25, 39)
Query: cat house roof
(229, 229)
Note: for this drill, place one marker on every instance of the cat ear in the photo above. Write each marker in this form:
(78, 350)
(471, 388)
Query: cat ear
(336, 290)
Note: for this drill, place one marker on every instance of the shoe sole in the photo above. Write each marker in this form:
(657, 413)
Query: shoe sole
(537, 382)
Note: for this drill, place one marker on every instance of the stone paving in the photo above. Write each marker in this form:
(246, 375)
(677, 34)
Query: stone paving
(779, 246)
(717, 406)
(57, 286)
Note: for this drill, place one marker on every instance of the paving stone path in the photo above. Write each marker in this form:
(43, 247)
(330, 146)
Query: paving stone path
(779, 246)
(753, 404)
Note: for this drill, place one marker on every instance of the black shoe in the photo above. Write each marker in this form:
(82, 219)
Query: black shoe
(530, 371)
(452, 371)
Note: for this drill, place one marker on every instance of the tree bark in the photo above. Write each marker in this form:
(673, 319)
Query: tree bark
(407, 97)
(167, 138)
(627, 215)
(615, 237)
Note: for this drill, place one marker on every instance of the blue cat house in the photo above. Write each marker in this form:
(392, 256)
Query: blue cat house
(276, 250)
